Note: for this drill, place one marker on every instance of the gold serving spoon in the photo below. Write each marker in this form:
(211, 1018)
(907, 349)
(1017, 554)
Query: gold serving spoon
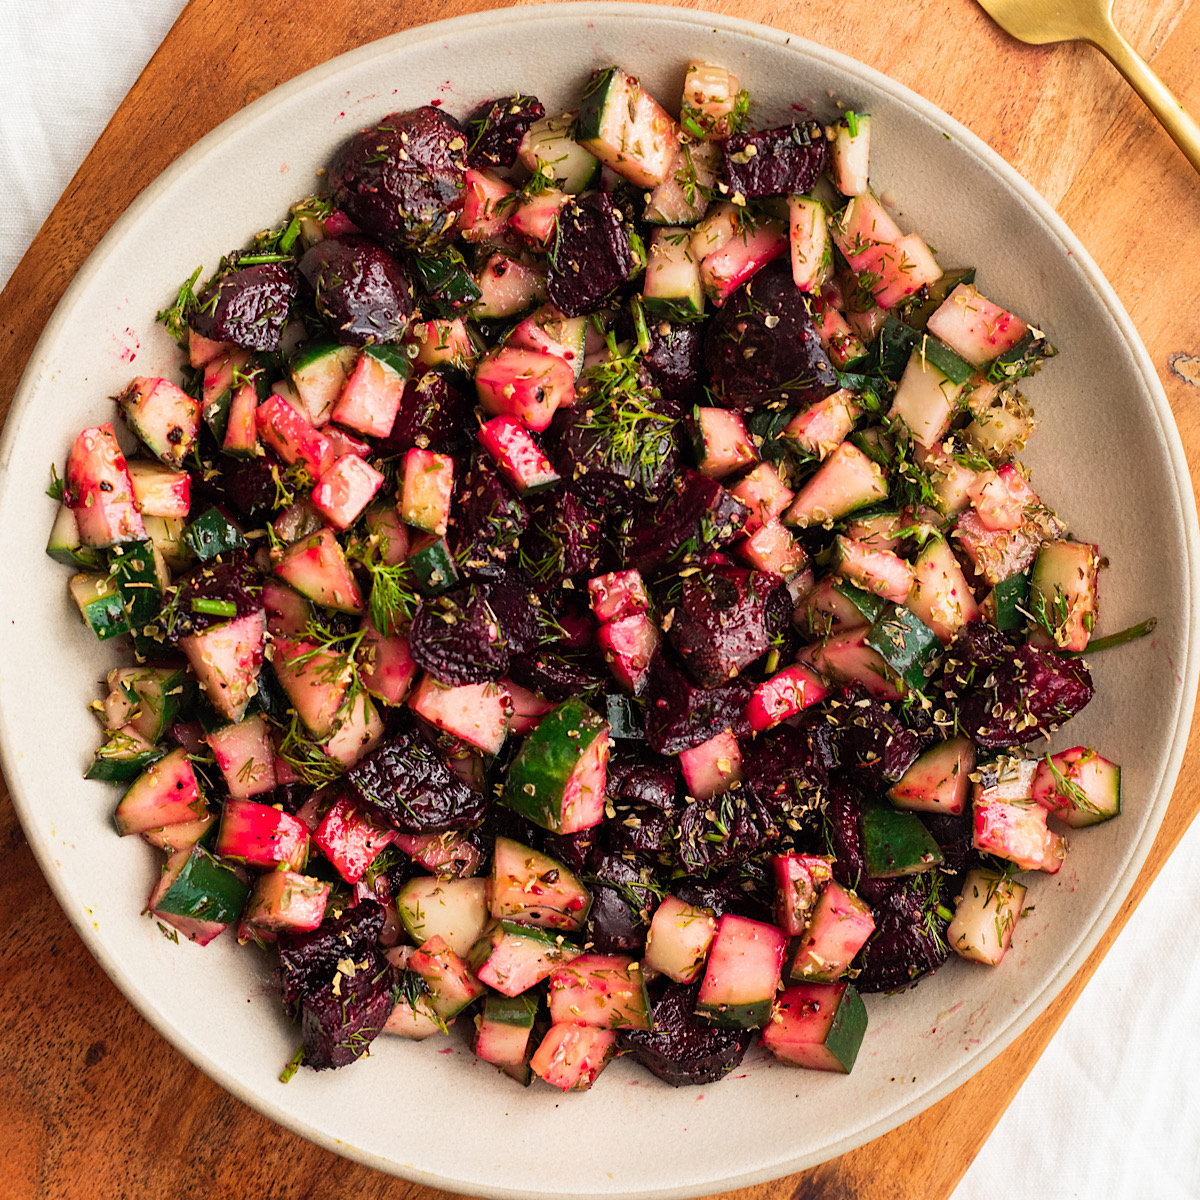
(1042, 21)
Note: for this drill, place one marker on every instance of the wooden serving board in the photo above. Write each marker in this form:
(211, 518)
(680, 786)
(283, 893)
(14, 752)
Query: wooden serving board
(95, 1103)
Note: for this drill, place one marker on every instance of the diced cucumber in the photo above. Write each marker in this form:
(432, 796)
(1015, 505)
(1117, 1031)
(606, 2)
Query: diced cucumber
(764, 494)
(905, 643)
(1007, 605)
(679, 939)
(625, 719)
(65, 545)
(926, 398)
(212, 534)
(839, 928)
(317, 568)
(512, 958)
(99, 490)
(819, 1026)
(1016, 830)
(534, 889)
(455, 910)
(428, 490)
(939, 780)
(849, 153)
(974, 328)
(625, 128)
(607, 991)
(286, 901)
(124, 756)
(941, 597)
(557, 779)
(100, 605)
(319, 371)
(837, 604)
(721, 442)
(845, 482)
(742, 975)
(448, 280)
(671, 290)
(1079, 786)
(141, 577)
(1062, 591)
(503, 1035)
(433, 565)
(198, 894)
(618, 594)
(547, 149)
(315, 679)
(245, 757)
(799, 879)
(885, 574)
(919, 309)
(682, 198)
(896, 843)
(783, 695)
(808, 234)
(167, 535)
(156, 695)
(261, 835)
(226, 660)
(847, 657)
(548, 330)
(713, 767)
(476, 713)
(570, 1057)
(451, 986)
(507, 286)
(989, 904)
(164, 417)
(369, 402)
(518, 455)
(350, 840)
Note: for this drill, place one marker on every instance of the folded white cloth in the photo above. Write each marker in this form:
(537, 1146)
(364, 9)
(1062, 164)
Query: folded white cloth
(1113, 1108)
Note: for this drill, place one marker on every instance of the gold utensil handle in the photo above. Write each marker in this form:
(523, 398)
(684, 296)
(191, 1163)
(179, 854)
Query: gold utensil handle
(1169, 112)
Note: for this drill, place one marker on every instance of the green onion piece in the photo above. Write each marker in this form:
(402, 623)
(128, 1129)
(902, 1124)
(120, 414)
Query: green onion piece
(852, 122)
(639, 325)
(289, 236)
(214, 608)
(1114, 639)
(253, 260)
(297, 1060)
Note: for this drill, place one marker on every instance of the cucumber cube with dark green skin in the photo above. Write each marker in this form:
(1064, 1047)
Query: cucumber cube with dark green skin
(100, 605)
(905, 643)
(917, 310)
(503, 1035)
(433, 565)
(65, 545)
(211, 534)
(894, 346)
(625, 720)
(817, 1025)
(896, 843)
(447, 279)
(513, 958)
(123, 757)
(952, 365)
(204, 889)
(157, 695)
(604, 990)
(557, 779)
(1008, 605)
(134, 568)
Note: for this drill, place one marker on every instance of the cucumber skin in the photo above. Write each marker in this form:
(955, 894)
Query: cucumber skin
(917, 644)
(846, 1033)
(547, 760)
(897, 843)
(737, 1016)
(206, 890)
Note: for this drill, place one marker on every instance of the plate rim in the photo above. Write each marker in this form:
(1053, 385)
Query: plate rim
(581, 11)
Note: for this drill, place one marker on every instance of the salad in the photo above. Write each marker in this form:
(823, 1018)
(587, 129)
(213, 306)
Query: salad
(582, 583)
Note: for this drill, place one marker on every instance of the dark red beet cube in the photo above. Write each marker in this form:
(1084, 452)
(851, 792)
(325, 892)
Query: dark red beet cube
(359, 289)
(775, 162)
(247, 307)
(909, 939)
(680, 714)
(725, 619)
(307, 961)
(457, 638)
(592, 254)
(496, 128)
(340, 1020)
(681, 1049)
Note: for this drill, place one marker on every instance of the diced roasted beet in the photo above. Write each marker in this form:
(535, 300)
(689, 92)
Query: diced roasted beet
(641, 829)
(909, 939)
(338, 1024)
(724, 620)
(613, 927)
(408, 783)
(496, 127)
(558, 674)
(954, 836)
(787, 770)
(359, 290)
(565, 537)
(734, 891)
(573, 849)
(456, 637)
(674, 363)
(247, 307)
(524, 612)
(435, 413)
(488, 521)
(872, 740)
(591, 256)
(775, 162)
(681, 1049)
(762, 346)
(233, 578)
(245, 486)
(1010, 697)
(639, 777)
(698, 516)
(582, 447)
(680, 715)
(291, 797)
(402, 180)
(726, 829)
(307, 961)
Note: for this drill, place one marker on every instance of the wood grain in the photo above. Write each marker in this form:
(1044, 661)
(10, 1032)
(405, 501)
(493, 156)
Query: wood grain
(95, 1102)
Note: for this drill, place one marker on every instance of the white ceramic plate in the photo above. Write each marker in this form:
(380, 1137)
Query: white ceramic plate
(1107, 456)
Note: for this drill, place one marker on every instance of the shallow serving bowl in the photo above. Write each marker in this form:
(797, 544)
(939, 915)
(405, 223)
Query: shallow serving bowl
(1107, 456)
